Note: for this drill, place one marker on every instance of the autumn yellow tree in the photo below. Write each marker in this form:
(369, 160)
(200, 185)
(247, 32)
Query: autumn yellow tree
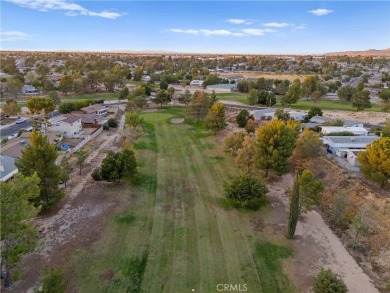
(246, 154)
(215, 119)
(274, 144)
(233, 142)
(375, 161)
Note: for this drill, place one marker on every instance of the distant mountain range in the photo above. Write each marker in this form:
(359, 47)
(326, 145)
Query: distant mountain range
(371, 52)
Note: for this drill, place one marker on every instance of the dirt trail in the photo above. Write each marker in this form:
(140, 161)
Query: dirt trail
(317, 247)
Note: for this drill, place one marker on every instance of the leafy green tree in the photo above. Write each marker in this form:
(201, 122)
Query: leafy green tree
(386, 129)
(185, 98)
(40, 157)
(116, 166)
(11, 108)
(162, 97)
(308, 145)
(360, 86)
(14, 86)
(42, 70)
(164, 85)
(310, 85)
(124, 93)
(138, 73)
(245, 190)
(53, 281)
(385, 95)
(112, 123)
(253, 96)
(215, 119)
(17, 235)
(328, 282)
(314, 111)
(213, 98)
(375, 163)
(67, 168)
(199, 105)
(345, 93)
(361, 100)
(81, 158)
(294, 210)
(274, 145)
(38, 104)
(310, 191)
(54, 96)
(246, 154)
(242, 118)
(282, 115)
(133, 119)
(66, 84)
(233, 142)
(293, 94)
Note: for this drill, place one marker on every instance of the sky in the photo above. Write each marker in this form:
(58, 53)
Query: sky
(253, 27)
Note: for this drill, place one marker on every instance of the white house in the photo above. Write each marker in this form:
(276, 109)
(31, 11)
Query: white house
(335, 143)
(358, 131)
(196, 82)
(69, 125)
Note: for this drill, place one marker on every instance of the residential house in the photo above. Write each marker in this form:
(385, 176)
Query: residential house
(334, 143)
(29, 89)
(358, 131)
(265, 114)
(196, 82)
(69, 125)
(350, 155)
(7, 167)
(97, 109)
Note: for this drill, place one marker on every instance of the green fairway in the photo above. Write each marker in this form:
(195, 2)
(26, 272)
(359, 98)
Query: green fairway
(176, 234)
(234, 97)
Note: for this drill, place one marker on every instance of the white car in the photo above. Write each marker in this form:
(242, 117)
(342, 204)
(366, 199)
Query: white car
(20, 120)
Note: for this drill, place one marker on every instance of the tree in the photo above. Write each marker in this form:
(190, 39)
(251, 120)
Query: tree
(386, 129)
(11, 108)
(124, 93)
(315, 111)
(162, 97)
(310, 85)
(361, 100)
(338, 216)
(310, 191)
(345, 93)
(199, 105)
(17, 236)
(245, 190)
(81, 158)
(360, 86)
(133, 119)
(294, 210)
(385, 95)
(41, 157)
(67, 168)
(53, 281)
(54, 96)
(328, 282)
(38, 104)
(274, 145)
(66, 84)
(293, 94)
(116, 166)
(233, 142)
(308, 145)
(138, 73)
(246, 154)
(213, 98)
(215, 119)
(185, 98)
(42, 70)
(164, 85)
(282, 115)
(14, 86)
(253, 96)
(375, 163)
(242, 118)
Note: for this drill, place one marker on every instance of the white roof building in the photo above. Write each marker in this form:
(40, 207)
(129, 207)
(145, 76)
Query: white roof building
(358, 131)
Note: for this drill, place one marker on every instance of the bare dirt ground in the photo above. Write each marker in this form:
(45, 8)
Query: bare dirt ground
(315, 245)
(177, 120)
(365, 117)
(77, 220)
(254, 74)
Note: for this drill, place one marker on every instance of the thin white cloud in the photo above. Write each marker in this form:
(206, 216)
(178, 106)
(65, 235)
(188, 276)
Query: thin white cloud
(320, 11)
(300, 27)
(239, 21)
(216, 32)
(71, 9)
(15, 36)
(276, 24)
(254, 31)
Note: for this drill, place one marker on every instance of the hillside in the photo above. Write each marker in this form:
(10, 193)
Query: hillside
(371, 52)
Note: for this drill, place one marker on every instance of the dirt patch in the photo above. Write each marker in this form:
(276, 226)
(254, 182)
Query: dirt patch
(365, 117)
(177, 120)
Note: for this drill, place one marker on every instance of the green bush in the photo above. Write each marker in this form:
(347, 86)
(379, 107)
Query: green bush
(53, 281)
(328, 282)
(96, 174)
(112, 123)
(106, 127)
(242, 118)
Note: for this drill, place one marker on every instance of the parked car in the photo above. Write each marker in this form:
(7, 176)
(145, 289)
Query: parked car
(20, 120)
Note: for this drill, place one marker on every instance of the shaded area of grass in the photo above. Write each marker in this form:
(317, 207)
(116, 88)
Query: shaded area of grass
(268, 260)
(124, 218)
(133, 269)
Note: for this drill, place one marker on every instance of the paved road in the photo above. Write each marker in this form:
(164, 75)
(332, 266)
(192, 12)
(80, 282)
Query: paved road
(243, 106)
(14, 128)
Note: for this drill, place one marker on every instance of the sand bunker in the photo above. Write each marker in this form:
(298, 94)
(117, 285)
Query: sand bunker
(177, 120)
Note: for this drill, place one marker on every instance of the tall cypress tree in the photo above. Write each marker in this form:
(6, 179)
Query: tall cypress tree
(294, 209)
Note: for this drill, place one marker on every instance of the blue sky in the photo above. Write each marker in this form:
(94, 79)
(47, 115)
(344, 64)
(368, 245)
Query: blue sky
(258, 27)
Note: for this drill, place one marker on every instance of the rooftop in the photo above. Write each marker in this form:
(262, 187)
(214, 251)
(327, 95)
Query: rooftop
(7, 167)
(349, 140)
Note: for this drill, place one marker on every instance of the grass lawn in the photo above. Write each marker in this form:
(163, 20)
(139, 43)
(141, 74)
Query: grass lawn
(93, 96)
(176, 234)
(234, 97)
(142, 82)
